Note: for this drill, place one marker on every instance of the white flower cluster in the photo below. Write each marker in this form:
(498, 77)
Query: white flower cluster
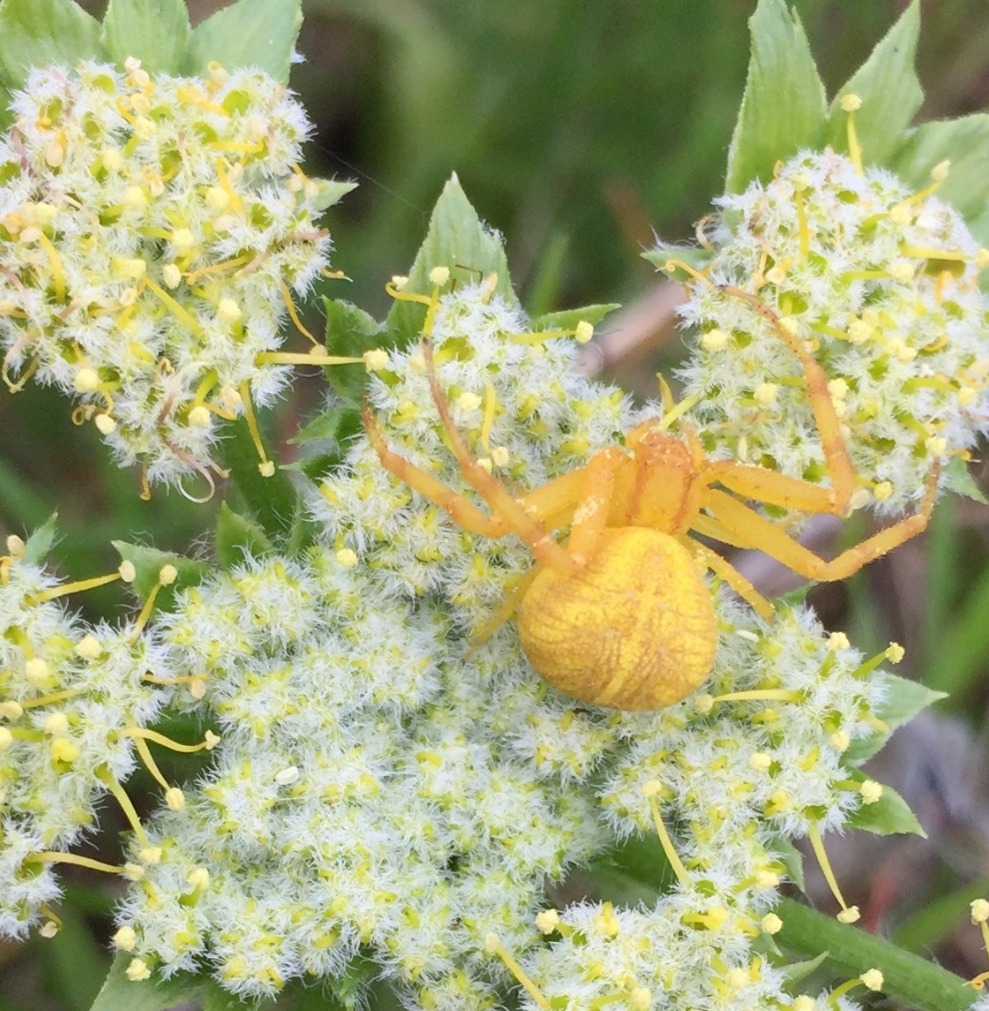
(386, 788)
(71, 698)
(882, 287)
(152, 233)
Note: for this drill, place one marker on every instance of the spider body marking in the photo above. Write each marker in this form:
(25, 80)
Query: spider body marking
(619, 614)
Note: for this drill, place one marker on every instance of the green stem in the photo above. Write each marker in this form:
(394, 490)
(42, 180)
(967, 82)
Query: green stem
(908, 978)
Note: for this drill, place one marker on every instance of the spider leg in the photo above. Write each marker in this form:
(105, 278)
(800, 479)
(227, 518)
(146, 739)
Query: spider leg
(510, 515)
(727, 572)
(735, 523)
(463, 512)
(840, 469)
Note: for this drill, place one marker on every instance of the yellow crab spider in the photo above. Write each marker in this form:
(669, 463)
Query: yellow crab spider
(617, 612)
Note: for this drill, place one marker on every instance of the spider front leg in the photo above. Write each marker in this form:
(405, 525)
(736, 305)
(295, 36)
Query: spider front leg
(735, 523)
(794, 493)
(508, 515)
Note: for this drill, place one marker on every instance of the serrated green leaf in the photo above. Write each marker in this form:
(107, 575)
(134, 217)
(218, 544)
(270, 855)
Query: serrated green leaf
(456, 237)
(890, 91)
(121, 994)
(350, 332)
(333, 426)
(887, 816)
(965, 143)
(783, 106)
(37, 546)
(238, 537)
(331, 191)
(148, 563)
(567, 319)
(40, 33)
(959, 479)
(249, 33)
(794, 972)
(904, 699)
(155, 31)
(273, 500)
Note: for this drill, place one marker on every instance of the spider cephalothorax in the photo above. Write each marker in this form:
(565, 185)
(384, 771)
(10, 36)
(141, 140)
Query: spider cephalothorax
(617, 612)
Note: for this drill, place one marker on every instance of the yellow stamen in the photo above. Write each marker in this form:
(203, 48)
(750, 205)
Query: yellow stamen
(77, 587)
(252, 425)
(850, 104)
(142, 733)
(58, 271)
(298, 358)
(494, 945)
(761, 695)
(46, 700)
(180, 313)
(650, 790)
(16, 387)
(490, 407)
(817, 845)
(217, 268)
(130, 813)
(293, 315)
(54, 857)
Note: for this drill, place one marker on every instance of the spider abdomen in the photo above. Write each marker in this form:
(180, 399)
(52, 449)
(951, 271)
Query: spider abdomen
(633, 629)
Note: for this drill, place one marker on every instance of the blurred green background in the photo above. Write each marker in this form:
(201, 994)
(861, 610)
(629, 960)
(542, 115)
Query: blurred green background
(578, 128)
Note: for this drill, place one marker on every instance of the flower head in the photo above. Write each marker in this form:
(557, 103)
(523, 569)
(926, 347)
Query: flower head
(153, 229)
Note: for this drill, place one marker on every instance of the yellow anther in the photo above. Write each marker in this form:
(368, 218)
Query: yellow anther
(894, 652)
(86, 381)
(439, 276)
(89, 647)
(64, 750)
(137, 970)
(125, 939)
(375, 359)
(714, 340)
(347, 557)
(771, 924)
(199, 417)
(765, 394)
(871, 791)
(583, 332)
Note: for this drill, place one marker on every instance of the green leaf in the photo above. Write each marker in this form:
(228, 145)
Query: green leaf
(215, 998)
(567, 319)
(249, 33)
(959, 479)
(784, 106)
(331, 191)
(37, 546)
(154, 994)
(272, 501)
(332, 425)
(148, 563)
(793, 861)
(794, 972)
(350, 332)
(456, 238)
(965, 143)
(40, 33)
(889, 815)
(890, 91)
(238, 537)
(903, 701)
(157, 32)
